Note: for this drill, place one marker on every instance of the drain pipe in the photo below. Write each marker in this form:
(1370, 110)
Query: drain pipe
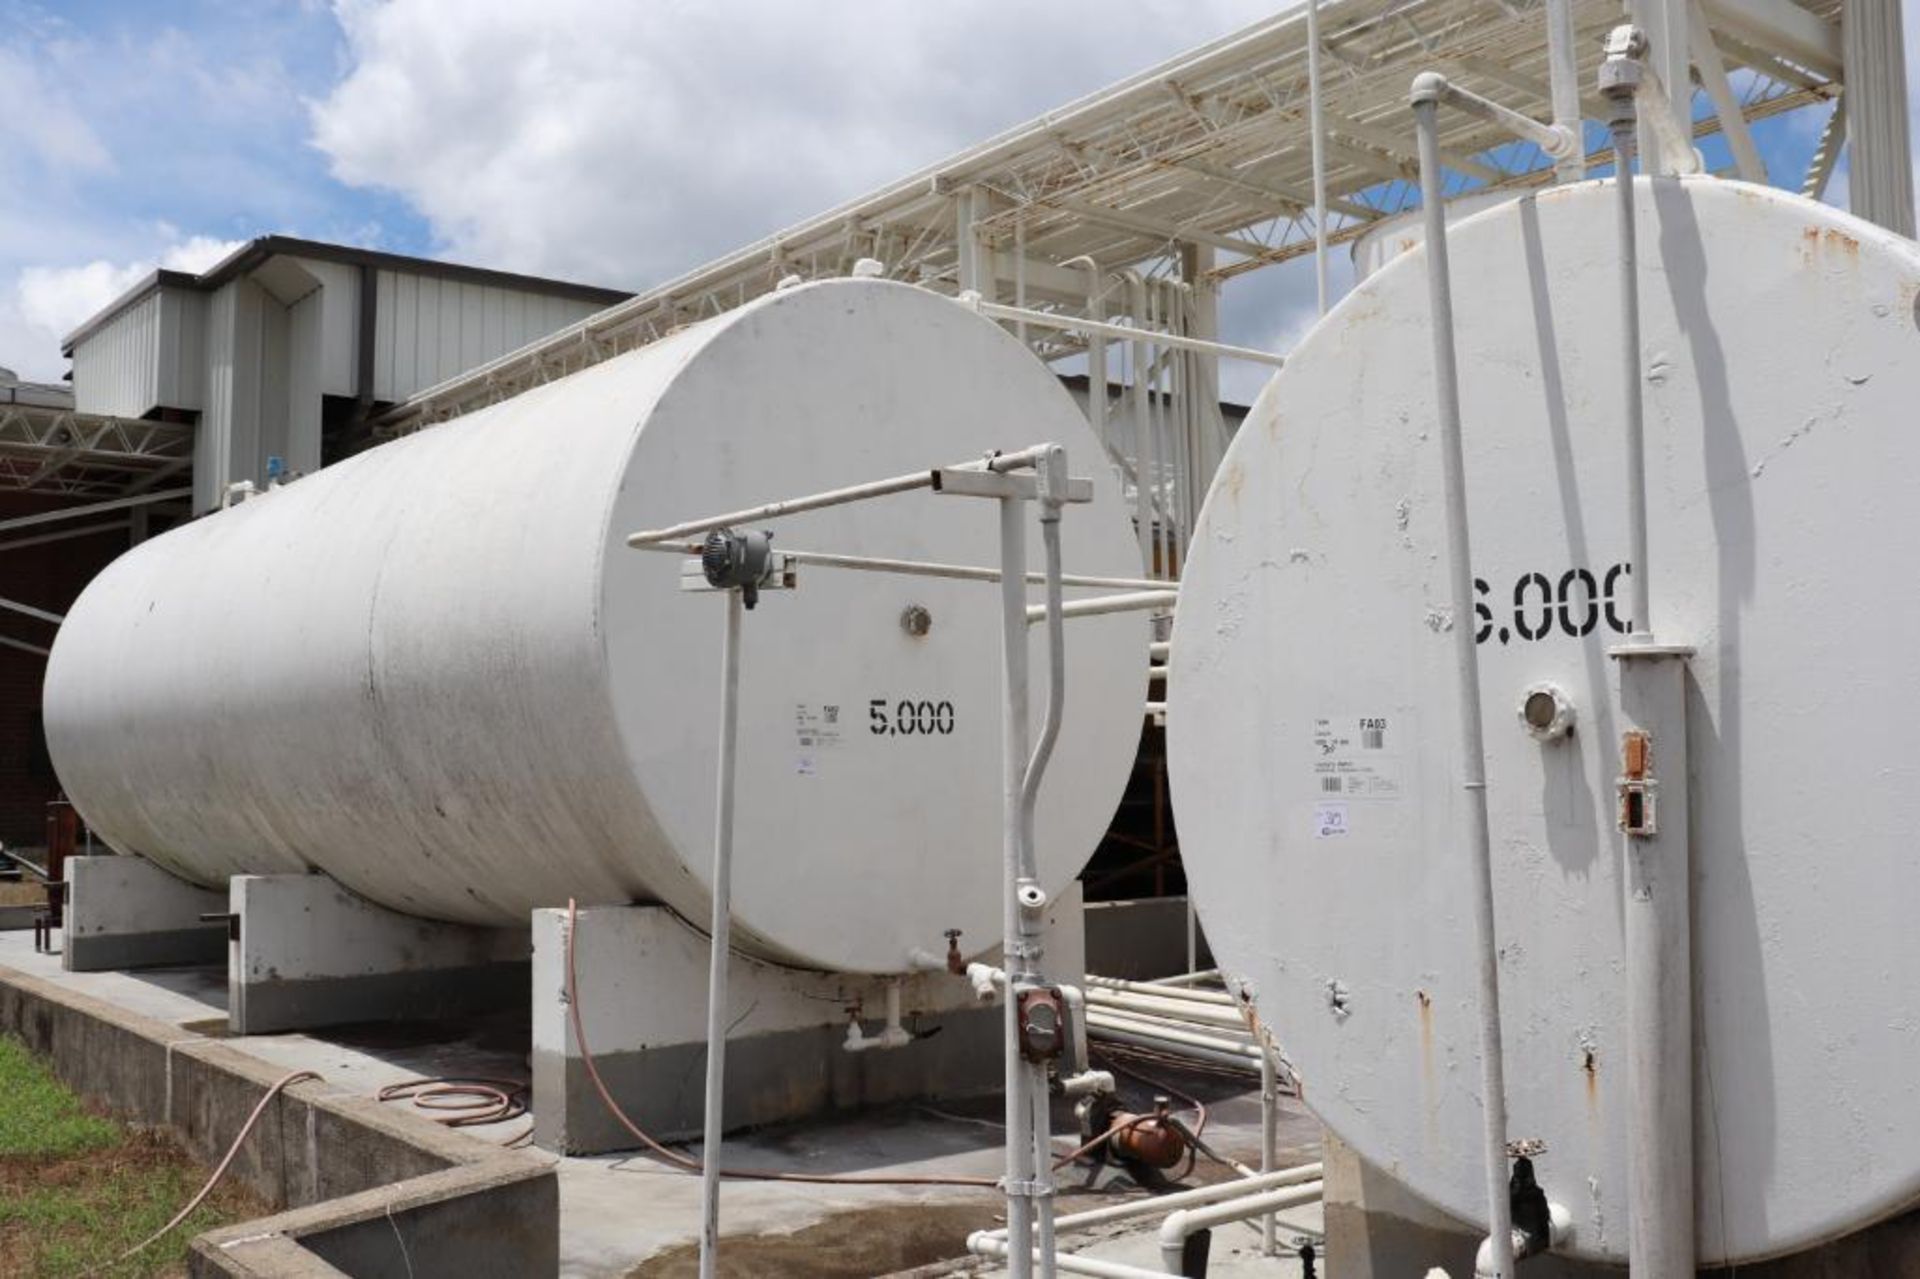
(1428, 92)
(893, 1035)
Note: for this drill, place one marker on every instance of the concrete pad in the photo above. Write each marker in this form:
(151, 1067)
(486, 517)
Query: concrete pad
(311, 953)
(125, 912)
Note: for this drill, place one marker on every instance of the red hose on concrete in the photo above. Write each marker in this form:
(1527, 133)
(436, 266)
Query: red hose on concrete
(687, 1161)
(259, 1109)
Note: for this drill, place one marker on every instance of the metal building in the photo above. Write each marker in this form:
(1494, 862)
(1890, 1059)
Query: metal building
(285, 348)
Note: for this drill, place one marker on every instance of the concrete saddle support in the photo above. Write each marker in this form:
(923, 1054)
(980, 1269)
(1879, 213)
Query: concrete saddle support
(642, 985)
(306, 952)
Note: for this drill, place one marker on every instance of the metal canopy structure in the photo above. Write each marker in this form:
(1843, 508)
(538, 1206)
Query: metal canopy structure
(1208, 151)
(46, 447)
(1142, 200)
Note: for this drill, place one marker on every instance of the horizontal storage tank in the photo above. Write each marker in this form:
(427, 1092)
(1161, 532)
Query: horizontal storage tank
(436, 672)
(1314, 719)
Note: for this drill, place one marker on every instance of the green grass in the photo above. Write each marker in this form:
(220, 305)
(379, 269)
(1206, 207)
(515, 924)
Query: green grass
(39, 1116)
(77, 1190)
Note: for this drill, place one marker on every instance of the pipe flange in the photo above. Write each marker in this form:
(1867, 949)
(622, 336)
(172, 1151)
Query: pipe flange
(1546, 713)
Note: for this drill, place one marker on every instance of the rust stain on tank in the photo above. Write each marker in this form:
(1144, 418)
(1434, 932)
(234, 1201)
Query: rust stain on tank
(1832, 241)
(1590, 1067)
(1232, 479)
(1427, 1089)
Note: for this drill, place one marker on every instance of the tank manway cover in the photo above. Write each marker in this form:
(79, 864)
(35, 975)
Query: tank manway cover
(437, 672)
(1314, 723)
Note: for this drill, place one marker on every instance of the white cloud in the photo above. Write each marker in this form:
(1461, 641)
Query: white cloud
(37, 116)
(624, 143)
(46, 303)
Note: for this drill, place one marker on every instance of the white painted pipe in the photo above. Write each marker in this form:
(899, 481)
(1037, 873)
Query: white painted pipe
(833, 497)
(1205, 1036)
(1187, 979)
(1559, 1230)
(1554, 139)
(893, 1035)
(1317, 125)
(1428, 93)
(1563, 74)
(28, 610)
(1269, 1136)
(1159, 651)
(1074, 1264)
(1215, 1057)
(1102, 1021)
(1164, 989)
(923, 568)
(1013, 746)
(1190, 1221)
(1186, 1010)
(1124, 602)
(719, 927)
(1148, 1205)
(1079, 324)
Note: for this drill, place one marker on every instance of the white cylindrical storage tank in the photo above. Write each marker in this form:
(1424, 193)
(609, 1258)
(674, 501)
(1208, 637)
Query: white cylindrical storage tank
(436, 672)
(1387, 239)
(1314, 723)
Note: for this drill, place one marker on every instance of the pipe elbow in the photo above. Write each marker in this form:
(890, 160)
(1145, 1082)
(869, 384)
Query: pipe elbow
(1563, 143)
(1429, 87)
(985, 979)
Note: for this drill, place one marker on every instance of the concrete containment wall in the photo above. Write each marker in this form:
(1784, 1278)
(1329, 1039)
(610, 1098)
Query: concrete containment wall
(337, 1161)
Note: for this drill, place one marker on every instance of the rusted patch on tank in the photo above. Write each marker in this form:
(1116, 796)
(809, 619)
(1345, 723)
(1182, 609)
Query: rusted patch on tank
(1831, 242)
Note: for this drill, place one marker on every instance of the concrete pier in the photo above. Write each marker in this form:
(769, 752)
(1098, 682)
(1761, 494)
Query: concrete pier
(642, 989)
(125, 912)
(310, 953)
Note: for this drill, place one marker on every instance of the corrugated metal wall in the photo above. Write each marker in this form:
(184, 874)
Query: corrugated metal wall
(115, 370)
(430, 329)
(151, 355)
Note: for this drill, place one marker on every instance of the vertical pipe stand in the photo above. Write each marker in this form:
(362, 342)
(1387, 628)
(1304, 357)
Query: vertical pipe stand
(1656, 917)
(1021, 1172)
(1493, 1084)
(719, 931)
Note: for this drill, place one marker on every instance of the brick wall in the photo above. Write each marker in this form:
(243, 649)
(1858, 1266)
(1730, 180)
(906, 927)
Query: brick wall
(49, 576)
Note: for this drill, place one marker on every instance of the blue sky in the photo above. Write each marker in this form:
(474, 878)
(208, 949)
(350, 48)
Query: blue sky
(613, 143)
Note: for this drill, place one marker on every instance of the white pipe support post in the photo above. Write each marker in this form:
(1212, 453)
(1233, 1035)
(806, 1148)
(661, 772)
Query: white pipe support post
(1028, 1183)
(1563, 70)
(1191, 1221)
(1428, 91)
(1656, 905)
(1137, 359)
(1317, 124)
(720, 927)
(1269, 1136)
